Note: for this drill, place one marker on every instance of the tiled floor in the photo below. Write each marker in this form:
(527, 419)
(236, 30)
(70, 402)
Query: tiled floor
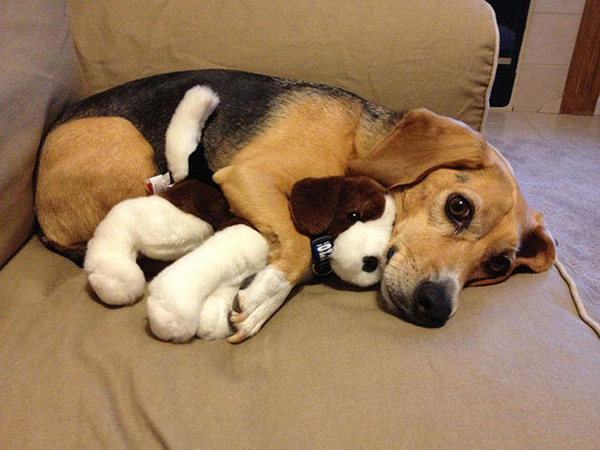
(537, 126)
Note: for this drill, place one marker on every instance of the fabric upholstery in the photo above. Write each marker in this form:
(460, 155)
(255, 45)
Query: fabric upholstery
(39, 74)
(515, 368)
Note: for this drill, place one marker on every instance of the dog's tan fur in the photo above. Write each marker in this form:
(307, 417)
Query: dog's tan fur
(73, 195)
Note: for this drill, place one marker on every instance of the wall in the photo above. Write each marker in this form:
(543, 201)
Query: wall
(546, 54)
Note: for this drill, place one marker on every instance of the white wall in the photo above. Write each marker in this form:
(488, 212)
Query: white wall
(548, 44)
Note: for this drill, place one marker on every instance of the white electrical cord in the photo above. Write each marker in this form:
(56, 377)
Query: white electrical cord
(579, 305)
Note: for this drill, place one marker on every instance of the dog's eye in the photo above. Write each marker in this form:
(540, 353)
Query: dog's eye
(498, 265)
(459, 210)
(354, 216)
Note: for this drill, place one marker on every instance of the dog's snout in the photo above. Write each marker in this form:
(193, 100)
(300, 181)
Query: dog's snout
(433, 305)
(370, 264)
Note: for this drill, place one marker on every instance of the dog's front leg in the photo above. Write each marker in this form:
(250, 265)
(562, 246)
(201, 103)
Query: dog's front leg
(258, 302)
(254, 305)
(263, 201)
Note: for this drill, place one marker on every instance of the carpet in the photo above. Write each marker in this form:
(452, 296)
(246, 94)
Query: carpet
(562, 180)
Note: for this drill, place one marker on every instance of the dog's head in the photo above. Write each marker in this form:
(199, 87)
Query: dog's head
(357, 213)
(461, 218)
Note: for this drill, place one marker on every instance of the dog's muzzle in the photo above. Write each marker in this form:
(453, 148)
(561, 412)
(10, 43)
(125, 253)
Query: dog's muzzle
(430, 306)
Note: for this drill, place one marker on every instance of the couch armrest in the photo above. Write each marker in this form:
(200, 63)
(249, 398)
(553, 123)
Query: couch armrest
(402, 54)
(39, 73)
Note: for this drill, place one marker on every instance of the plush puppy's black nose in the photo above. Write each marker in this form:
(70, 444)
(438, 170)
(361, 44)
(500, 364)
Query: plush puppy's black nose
(432, 304)
(370, 264)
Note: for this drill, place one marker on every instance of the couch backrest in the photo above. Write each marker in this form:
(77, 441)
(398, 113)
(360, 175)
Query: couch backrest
(400, 53)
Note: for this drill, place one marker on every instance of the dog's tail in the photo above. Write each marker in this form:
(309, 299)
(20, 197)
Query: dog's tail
(185, 129)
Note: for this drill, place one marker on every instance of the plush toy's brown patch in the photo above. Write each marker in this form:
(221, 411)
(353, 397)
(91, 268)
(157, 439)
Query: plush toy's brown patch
(333, 204)
(362, 196)
(313, 203)
(203, 201)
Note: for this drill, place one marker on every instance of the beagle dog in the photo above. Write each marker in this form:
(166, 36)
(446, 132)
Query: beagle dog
(461, 218)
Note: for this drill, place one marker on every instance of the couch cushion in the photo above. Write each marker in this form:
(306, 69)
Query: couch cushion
(39, 72)
(403, 55)
(515, 368)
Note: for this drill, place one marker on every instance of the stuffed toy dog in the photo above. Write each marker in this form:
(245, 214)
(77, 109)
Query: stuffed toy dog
(349, 226)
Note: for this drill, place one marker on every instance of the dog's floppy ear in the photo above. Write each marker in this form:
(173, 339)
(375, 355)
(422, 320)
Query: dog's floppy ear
(537, 249)
(420, 143)
(313, 203)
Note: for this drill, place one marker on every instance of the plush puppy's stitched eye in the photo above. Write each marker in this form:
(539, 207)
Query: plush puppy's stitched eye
(498, 265)
(459, 210)
(354, 216)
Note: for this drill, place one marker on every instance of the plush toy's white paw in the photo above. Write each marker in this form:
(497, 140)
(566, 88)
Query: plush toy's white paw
(115, 278)
(169, 323)
(213, 322)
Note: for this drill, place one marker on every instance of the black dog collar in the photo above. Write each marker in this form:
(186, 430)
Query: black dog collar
(321, 247)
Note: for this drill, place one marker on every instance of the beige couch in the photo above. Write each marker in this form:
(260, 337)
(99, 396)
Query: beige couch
(515, 368)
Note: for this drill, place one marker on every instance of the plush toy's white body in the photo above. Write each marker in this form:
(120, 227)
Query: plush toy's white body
(193, 296)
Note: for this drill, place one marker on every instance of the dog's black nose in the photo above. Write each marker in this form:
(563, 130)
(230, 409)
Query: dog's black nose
(370, 264)
(432, 304)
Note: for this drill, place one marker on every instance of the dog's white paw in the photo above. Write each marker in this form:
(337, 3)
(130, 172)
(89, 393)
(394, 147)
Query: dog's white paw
(213, 322)
(254, 305)
(169, 323)
(115, 278)
(248, 324)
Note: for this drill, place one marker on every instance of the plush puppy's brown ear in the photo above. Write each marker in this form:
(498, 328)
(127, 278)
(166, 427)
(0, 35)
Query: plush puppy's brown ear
(313, 203)
(537, 250)
(420, 143)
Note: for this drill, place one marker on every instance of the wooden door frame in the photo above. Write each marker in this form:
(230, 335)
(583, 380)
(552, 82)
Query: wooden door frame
(583, 81)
